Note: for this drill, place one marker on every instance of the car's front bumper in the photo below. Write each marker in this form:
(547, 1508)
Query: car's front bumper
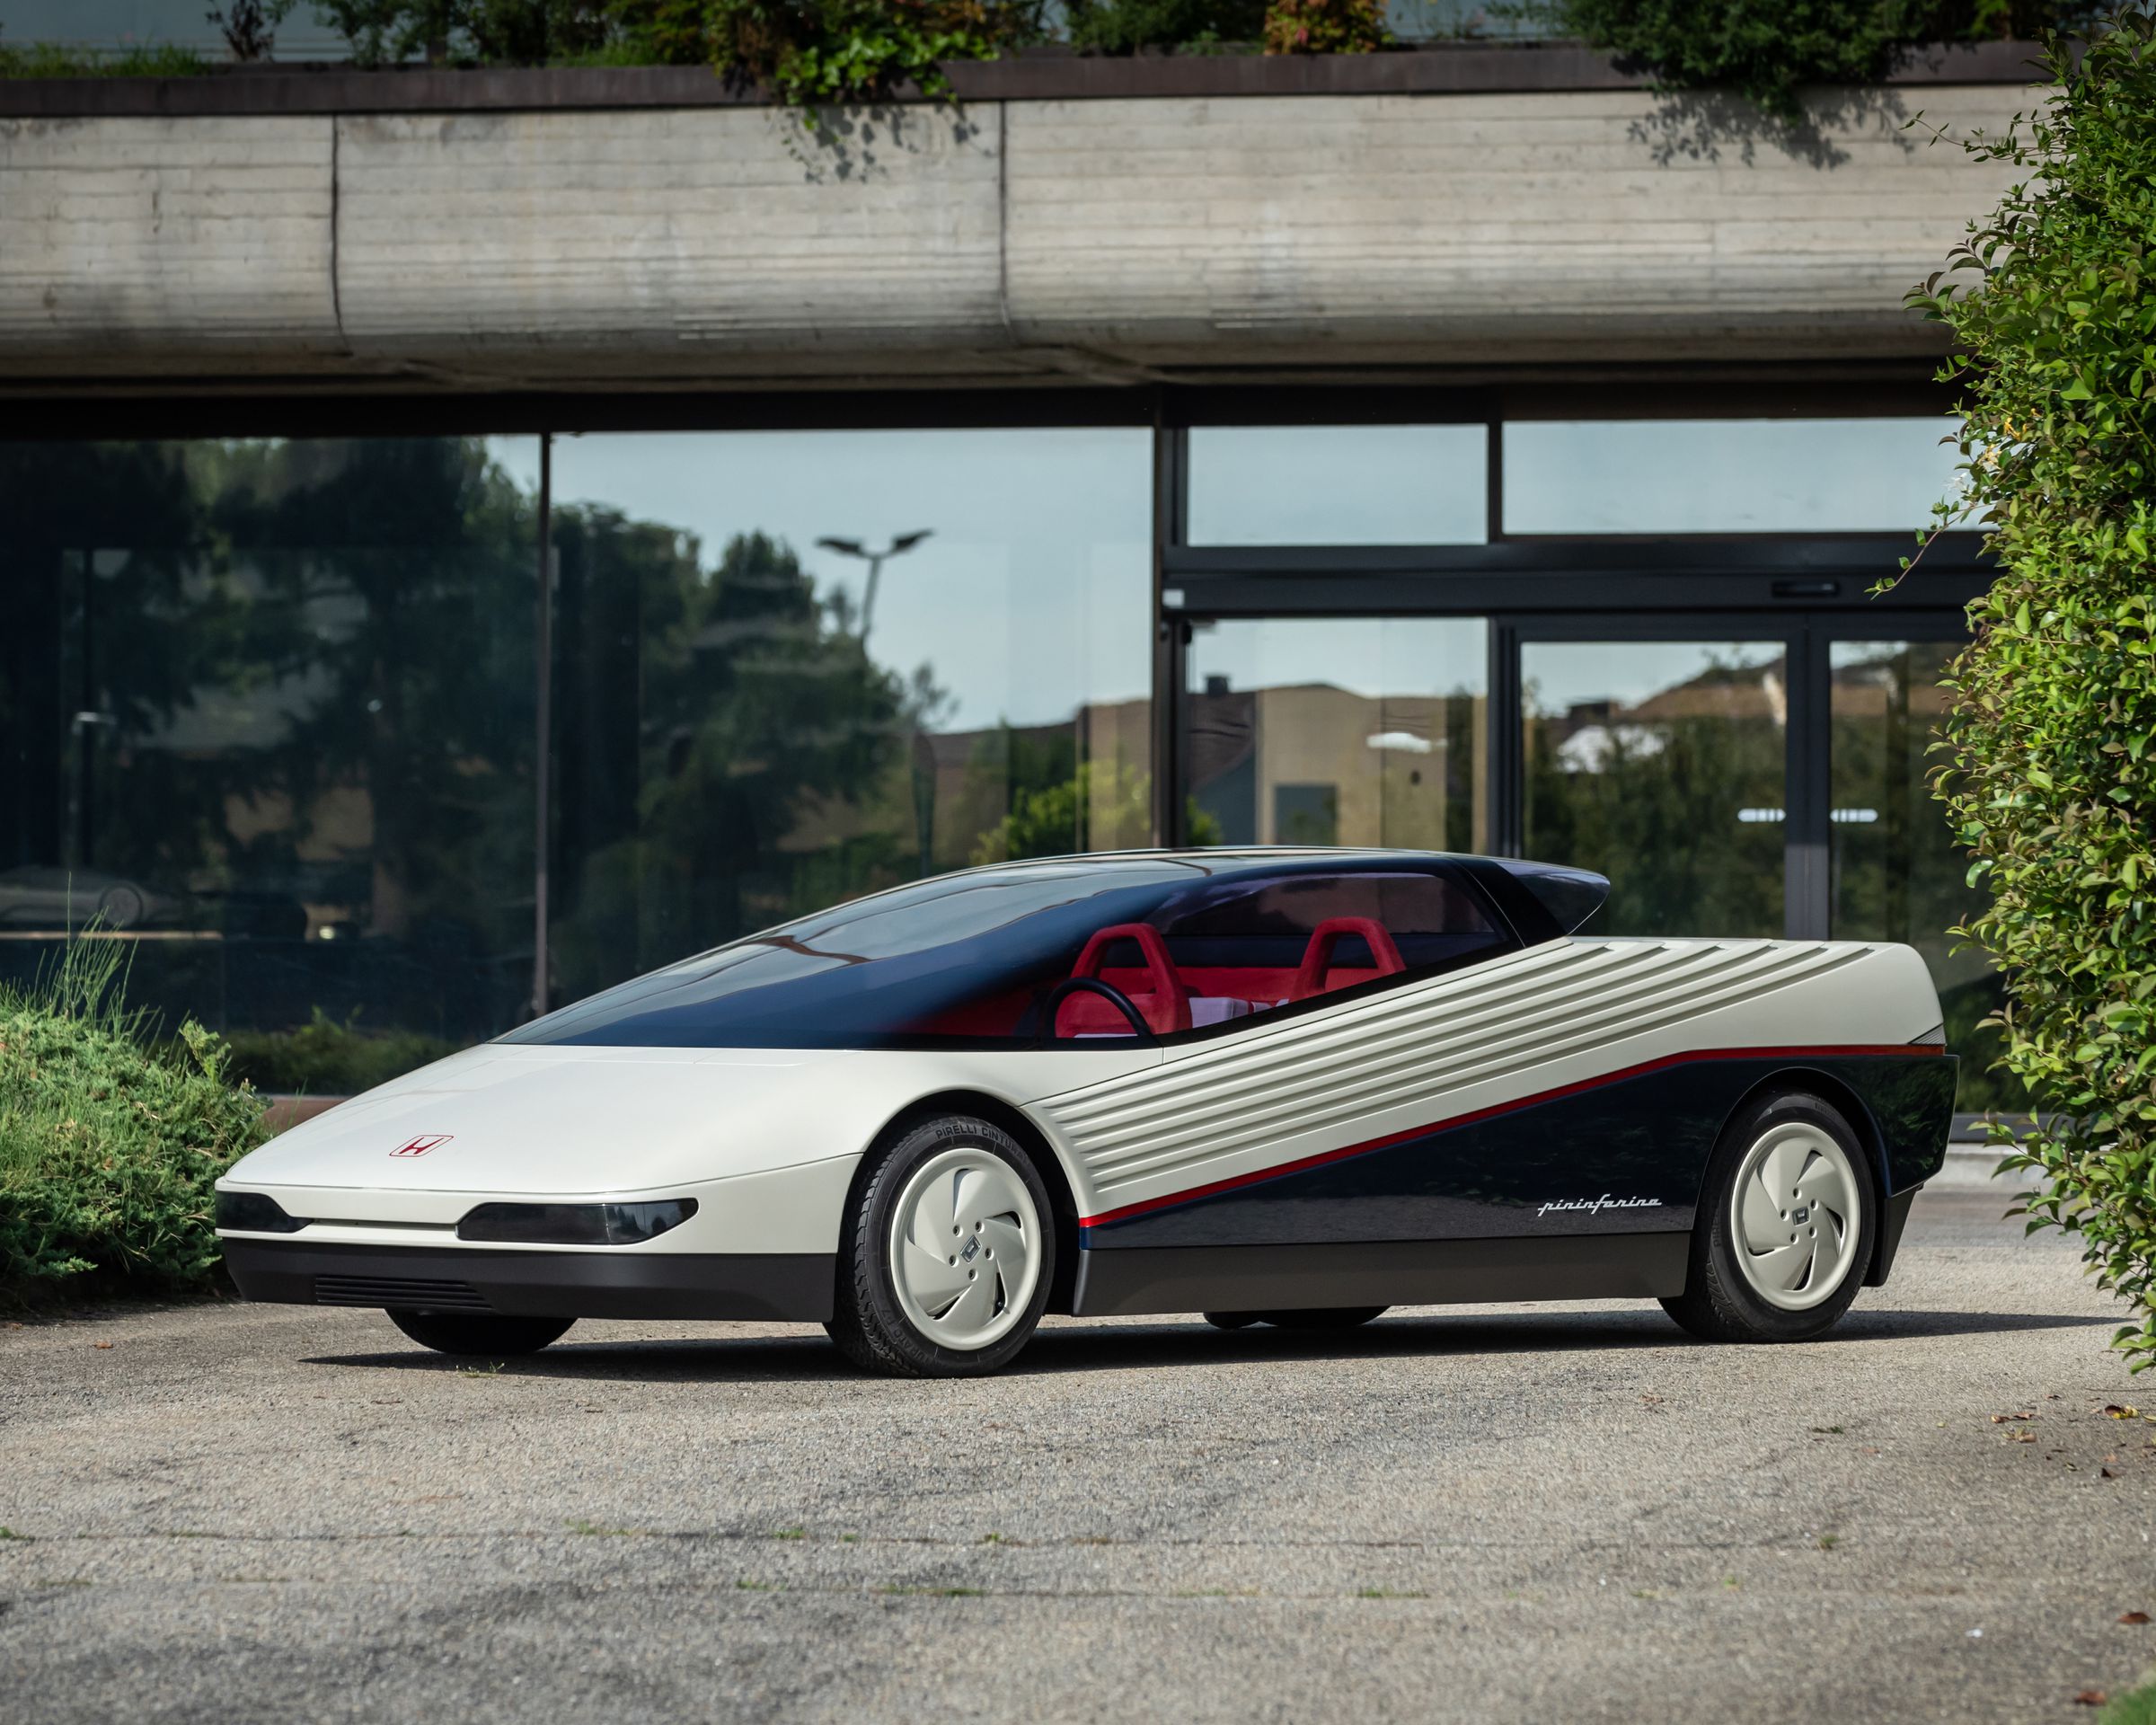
(787, 1288)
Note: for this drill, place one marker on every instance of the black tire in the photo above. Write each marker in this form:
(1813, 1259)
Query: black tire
(868, 1320)
(487, 1334)
(1323, 1317)
(1719, 1302)
(1231, 1320)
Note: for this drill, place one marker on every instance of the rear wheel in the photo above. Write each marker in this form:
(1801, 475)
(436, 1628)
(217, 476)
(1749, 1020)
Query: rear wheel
(947, 1260)
(487, 1333)
(1323, 1317)
(1785, 1228)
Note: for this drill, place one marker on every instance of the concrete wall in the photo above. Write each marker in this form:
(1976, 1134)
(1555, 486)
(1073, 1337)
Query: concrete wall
(1115, 239)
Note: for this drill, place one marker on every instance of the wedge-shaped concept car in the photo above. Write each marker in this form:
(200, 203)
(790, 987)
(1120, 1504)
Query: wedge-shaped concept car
(1288, 1086)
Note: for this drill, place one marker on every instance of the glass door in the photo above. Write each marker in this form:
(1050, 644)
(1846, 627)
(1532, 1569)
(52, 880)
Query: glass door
(1662, 759)
(1337, 730)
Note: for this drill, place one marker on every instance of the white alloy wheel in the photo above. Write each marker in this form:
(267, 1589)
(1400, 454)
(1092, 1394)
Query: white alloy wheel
(965, 1247)
(1796, 1214)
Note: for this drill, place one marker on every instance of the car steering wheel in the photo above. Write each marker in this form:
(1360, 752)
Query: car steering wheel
(1051, 1004)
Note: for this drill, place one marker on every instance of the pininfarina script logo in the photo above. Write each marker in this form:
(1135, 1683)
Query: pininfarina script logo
(421, 1144)
(1593, 1205)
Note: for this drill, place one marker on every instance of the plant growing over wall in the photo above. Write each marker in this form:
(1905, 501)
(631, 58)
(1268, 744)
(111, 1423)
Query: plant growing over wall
(1325, 27)
(813, 53)
(2050, 771)
(1765, 49)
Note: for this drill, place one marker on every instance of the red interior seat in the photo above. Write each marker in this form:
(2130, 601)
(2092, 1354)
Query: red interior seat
(1317, 957)
(1165, 1005)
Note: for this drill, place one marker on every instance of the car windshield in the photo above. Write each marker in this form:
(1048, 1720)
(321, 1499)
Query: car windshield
(1064, 952)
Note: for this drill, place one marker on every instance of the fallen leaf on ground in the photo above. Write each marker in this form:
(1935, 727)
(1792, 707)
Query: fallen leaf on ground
(2117, 1412)
(2134, 1617)
(100, 1344)
(2000, 1418)
(2091, 1698)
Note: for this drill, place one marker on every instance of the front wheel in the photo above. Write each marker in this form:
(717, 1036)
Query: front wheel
(485, 1333)
(1785, 1228)
(946, 1258)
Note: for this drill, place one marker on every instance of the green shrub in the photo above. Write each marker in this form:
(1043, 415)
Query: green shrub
(1325, 27)
(1765, 49)
(109, 1146)
(813, 53)
(53, 60)
(328, 1058)
(1126, 26)
(2050, 772)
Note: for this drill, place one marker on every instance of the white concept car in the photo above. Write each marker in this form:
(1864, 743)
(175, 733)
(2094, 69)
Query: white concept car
(1288, 1086)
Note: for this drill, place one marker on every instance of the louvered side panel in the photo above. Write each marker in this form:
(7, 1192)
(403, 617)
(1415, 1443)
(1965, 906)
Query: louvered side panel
(1553, 1015)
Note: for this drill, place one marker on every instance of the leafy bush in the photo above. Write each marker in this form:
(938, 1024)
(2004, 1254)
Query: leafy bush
(328, 1058)
(813, 52)
(1325, 27)
(53, 60)
(1765, 49)
(1126, 26)
(109, 1146)
(492, 32)
(2051, 747)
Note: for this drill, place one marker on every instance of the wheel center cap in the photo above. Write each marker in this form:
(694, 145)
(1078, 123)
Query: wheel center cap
(972, 1249)
(1801, 1215)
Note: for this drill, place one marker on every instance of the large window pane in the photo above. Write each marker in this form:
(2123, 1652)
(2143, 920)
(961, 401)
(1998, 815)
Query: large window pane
(1363, 731)
(1683, 476)
(796, 667)
(1339, 485)
(1661, 764)
(269, 716)
(1898, 873)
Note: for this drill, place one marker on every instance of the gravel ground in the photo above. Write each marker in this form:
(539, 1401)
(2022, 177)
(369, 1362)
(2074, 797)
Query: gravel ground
(1504, 1513)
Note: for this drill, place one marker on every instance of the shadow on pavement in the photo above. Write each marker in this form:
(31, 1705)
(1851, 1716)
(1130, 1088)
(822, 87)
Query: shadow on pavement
(809, 1357)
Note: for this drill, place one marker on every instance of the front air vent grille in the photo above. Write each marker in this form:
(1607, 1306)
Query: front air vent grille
(397, 1290)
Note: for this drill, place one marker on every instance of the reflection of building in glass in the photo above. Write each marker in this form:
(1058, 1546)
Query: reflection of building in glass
(1316, 763)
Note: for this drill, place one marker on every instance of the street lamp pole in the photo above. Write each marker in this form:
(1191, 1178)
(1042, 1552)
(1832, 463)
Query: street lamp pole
(905, 541)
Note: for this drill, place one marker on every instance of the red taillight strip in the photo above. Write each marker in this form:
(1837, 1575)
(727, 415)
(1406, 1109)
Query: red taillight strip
(1192, 1193)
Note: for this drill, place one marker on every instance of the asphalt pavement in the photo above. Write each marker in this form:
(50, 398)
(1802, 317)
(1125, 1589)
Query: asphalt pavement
(231, 1513)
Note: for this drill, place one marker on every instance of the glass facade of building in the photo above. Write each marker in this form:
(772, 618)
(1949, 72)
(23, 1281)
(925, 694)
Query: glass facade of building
(271, 708)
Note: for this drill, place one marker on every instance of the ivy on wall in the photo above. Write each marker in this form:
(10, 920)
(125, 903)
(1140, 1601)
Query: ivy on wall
(2050, 753)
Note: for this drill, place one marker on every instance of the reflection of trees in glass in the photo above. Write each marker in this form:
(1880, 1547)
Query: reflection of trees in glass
(1651, 795)
(390, 605)
(306, 673)
(1070, 815)
(731, 755)
(1898, 873)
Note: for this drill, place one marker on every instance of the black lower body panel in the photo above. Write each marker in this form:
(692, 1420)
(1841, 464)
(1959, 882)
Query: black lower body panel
(784, 1287)
(1130, 1280)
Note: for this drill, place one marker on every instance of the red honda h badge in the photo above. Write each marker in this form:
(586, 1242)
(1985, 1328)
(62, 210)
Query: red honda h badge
(421, 1144)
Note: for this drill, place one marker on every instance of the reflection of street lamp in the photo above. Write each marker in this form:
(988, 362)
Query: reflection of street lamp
(874, 559)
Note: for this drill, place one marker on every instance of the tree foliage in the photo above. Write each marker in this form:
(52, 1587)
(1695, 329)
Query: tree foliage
(1126, 26)
(1325, 27)
(2050, 754)
(1765, 49)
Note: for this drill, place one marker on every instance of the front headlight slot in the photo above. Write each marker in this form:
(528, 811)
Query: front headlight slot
(574, 1225)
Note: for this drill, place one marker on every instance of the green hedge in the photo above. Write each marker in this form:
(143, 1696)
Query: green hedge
(110, 1146)
(2050, 756)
